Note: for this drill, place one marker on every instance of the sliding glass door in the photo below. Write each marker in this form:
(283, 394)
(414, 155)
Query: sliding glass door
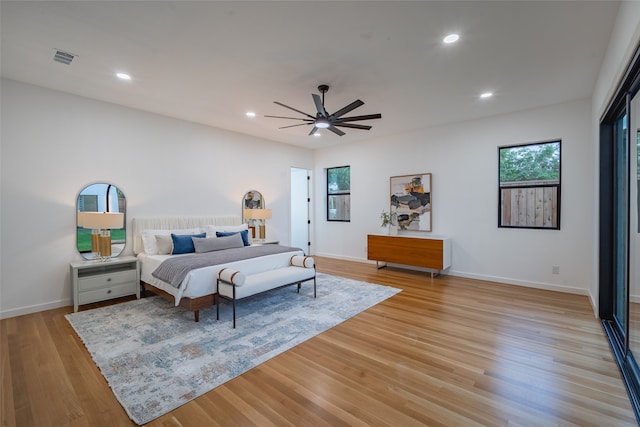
(619, 262)
(620, 224)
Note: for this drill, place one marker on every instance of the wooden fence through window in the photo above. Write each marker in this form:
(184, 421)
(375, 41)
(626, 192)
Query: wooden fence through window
(530, 206)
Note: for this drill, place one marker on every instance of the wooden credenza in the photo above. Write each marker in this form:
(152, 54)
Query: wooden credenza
(428, 252)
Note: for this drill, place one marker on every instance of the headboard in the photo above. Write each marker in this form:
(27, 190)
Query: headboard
(175, 223)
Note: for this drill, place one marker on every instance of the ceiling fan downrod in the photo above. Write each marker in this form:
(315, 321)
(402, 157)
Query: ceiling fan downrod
(323, 89)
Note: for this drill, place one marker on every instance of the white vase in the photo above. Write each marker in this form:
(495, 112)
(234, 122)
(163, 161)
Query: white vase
(393, 230)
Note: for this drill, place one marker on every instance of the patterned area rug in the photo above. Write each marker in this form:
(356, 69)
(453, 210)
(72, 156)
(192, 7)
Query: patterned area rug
(156, 358)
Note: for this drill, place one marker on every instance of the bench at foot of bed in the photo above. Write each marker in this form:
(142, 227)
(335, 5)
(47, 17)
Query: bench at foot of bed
(234, 285)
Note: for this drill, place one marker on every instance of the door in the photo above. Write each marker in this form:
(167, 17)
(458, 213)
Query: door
(300, 209)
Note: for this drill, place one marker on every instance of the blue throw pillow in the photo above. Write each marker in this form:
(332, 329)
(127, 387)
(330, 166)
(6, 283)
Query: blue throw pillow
(243, 233)
(182, 244)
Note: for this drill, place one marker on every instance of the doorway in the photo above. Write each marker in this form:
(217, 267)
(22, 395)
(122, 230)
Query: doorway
(301, 209)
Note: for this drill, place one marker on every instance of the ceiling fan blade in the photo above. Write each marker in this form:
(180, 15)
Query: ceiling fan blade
(351, 125)
(336, 130)
(355, 104)
(358, 118)
(291, 108)
(314, 130)
(292, 126)
(291, 118)
(319, 106)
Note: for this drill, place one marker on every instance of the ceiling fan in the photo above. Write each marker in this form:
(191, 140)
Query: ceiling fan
(324, 120)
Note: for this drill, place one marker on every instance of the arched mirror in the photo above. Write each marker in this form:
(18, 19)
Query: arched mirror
(251, 201)
(101, 226)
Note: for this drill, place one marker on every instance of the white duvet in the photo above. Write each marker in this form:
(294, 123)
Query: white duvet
(202, 281)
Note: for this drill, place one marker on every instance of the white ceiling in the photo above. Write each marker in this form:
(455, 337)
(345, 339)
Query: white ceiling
(210, 62)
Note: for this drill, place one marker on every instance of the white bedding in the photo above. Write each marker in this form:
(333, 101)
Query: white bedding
(202, 281)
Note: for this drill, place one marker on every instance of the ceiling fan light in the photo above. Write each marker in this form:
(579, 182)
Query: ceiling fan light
(322, 123)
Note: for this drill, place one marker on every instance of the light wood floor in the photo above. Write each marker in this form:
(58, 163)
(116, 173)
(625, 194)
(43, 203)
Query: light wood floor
(443, 352)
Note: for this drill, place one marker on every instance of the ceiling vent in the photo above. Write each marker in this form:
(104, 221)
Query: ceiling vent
(63, 57)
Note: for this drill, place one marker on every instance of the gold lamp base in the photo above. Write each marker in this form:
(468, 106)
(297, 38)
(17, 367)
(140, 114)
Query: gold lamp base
(105, 246)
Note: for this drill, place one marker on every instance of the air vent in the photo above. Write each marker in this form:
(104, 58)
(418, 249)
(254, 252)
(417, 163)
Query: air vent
(63, 57)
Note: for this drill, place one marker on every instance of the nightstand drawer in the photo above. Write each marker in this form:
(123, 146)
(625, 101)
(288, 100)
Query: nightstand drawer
(106, 280)
(114, 291)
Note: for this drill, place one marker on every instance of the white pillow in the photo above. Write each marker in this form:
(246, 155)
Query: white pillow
(149, 238)
(164, 243)
(211, 230)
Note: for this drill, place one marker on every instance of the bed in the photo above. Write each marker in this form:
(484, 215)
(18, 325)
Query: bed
(198, 288)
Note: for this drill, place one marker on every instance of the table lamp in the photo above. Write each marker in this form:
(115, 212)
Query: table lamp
(100, 224)
(261, 215)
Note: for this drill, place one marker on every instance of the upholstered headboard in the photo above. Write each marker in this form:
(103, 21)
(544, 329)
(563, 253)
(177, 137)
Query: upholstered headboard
(175, 223)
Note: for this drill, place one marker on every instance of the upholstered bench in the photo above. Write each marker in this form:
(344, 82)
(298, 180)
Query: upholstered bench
(234, 285)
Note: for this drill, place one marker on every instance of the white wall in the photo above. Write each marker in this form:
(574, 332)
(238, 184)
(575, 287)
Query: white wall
(463, 159)
(53, 144)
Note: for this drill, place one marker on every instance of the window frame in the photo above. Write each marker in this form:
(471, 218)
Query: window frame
(334, 193)
(546, 187)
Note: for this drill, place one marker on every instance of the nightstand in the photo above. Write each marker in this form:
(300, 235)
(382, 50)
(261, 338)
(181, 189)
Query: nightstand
(94, 281)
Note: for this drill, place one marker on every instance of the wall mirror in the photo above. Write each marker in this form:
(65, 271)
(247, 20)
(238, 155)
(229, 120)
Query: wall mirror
(252, 200)
(100, 221)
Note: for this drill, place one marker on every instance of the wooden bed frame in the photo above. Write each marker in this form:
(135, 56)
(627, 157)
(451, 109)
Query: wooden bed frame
(191, 304)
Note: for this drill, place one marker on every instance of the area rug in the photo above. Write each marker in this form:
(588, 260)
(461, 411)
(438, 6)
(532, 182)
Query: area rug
(156, 358)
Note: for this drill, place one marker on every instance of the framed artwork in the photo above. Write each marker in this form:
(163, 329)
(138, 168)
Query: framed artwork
(411, 201)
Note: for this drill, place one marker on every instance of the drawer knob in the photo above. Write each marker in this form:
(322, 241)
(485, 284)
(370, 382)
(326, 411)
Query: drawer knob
(109, 291)
(108, 279)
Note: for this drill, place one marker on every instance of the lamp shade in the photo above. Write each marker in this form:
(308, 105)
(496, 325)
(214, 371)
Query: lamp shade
(260, 213)
(103, 220)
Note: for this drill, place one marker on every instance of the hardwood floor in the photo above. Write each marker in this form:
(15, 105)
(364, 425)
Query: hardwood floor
(445, 351)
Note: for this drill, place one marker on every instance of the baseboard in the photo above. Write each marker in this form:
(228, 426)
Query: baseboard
(523, 283)
(35, 308)
(488, 278)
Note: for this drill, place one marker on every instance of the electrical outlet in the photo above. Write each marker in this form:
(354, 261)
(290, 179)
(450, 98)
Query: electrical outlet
(555, 269)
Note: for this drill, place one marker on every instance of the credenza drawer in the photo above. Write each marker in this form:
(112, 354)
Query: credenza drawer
(427, 252)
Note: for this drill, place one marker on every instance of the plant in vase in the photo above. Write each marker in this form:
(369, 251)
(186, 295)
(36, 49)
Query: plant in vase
(389, 222)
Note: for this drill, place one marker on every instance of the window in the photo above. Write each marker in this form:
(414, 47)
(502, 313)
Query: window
(339, 194)
(529, 186)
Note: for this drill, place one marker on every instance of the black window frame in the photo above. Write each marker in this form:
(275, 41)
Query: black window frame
(543, 185)
(333, 193)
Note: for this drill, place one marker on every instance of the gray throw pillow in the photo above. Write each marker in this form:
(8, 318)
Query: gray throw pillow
(210, 244)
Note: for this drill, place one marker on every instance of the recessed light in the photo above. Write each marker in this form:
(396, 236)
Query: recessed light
(250, 114)
(123, 76)
(451, 38)
(317, 133)
(486, 95)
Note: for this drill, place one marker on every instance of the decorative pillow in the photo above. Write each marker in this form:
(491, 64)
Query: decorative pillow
(302, 261)
(183, 244)
(213, 229)
(149, 238)
(236, 278)
(244, 234)
(218, 243)
(164, 244)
